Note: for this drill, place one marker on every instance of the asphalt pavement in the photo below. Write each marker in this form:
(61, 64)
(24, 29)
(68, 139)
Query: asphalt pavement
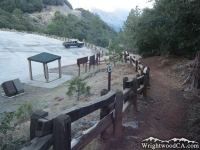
(16, 47)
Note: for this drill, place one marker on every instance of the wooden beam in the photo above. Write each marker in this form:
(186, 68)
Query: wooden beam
(140, 90)
(46, 72)
(127, 92)
(129, 83)
(105, 110)
(140, 66)
(62, 133)
(125, 57)
(85, 67)
(124, 82)
(86, 108)
(148, 78)
(42, 143)
(38, 114)
(59, 67)
(118, 114)
(135, 85)
(136, 66)
(30, 70)
(126, 107)
(140, 80)
(79, 111)
(145, 86)
(91, 133)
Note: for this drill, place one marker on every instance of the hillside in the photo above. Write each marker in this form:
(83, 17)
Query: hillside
(45, 17)
(56, 19)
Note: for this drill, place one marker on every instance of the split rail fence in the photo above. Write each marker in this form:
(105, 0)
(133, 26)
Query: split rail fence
(47, 131)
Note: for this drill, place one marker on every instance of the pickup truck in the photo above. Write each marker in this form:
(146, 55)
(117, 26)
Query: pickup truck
(73, 43)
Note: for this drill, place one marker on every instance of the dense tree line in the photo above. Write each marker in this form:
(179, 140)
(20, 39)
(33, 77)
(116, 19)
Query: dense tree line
(170, 27)
(16, 20)
(24, 5)
(57, 2)
(29, 6)
(90, 27)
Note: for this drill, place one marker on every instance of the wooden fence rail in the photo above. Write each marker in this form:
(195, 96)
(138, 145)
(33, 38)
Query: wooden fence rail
(46, 130)
(138, 67)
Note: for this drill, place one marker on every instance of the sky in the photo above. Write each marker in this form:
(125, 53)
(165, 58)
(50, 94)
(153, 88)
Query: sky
(110, 5)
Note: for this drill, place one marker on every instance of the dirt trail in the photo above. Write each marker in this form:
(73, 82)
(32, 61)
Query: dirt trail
(162, 115)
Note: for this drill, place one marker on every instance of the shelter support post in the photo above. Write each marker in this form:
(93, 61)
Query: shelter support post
(46, 72)
(30, 70)
(59, 67)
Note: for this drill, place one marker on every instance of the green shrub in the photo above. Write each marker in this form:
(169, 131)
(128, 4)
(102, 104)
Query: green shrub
(24, 112)
(8, 123)
(79, 87)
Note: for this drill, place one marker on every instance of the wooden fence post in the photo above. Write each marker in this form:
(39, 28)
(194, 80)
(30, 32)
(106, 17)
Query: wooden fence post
(145, 87)
(124, 82)
(130, 60)
(104, 112)
(142, 69)
(39, 114)
(138, 84)
(85, 67)
(148, 78)
(136, 66)
(62, 132)
(118, 114)
(125, 57)
(79, 70)
(135, 85)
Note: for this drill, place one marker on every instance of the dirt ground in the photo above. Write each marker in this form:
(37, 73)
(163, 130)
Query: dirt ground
(163, 114)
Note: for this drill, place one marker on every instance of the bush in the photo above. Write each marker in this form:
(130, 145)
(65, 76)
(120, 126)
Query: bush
(24, 112)
(79, 87)
(8, 123)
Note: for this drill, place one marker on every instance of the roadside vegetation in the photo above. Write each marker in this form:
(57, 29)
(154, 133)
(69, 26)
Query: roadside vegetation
(78, 87)
(11, 127)
(170, 27)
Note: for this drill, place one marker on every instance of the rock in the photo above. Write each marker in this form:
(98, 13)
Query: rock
(178, 68)
(134, 138)
(133, 124)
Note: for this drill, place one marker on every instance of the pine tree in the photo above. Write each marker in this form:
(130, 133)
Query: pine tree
(78, 86)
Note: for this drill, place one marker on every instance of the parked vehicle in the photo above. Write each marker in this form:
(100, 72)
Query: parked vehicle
(73, 43)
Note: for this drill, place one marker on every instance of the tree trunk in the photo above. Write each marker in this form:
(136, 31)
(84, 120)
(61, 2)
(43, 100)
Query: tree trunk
(193, 80)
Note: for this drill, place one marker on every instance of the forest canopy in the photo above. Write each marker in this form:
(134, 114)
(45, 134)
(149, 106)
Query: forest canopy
(30, 6)
(170, 27)
(90, 27)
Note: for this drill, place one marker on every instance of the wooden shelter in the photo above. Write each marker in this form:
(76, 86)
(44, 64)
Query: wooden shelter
(44, 58)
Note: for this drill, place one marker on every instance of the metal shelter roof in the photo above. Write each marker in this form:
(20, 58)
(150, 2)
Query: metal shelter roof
(44, 57)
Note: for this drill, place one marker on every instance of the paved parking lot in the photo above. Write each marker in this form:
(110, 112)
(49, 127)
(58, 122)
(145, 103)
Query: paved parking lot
(16, 47)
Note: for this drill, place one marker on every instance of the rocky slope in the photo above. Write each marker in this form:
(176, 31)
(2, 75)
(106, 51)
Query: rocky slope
(45, 17)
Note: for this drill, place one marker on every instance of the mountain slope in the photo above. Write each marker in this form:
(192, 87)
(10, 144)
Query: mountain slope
(114, 19)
